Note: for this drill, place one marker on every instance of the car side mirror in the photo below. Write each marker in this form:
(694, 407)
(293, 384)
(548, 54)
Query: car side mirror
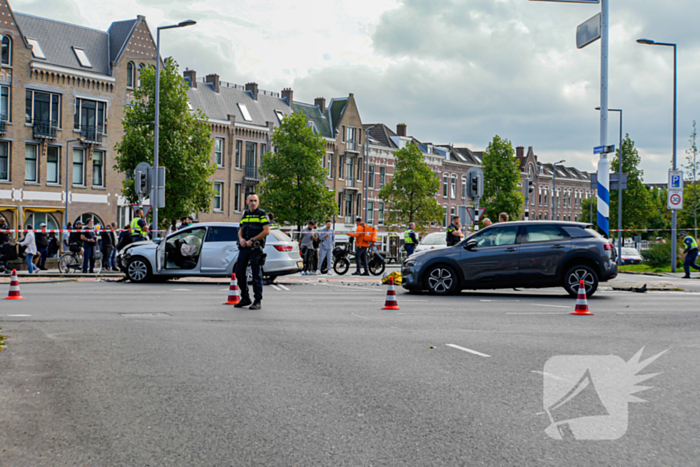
(470, 245)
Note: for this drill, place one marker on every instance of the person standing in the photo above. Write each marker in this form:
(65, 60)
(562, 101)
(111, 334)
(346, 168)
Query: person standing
(112, 262)
(487, 222)
(327, 237)
(30, 242)
(54, 247)
(409, 239)
(42, 246)
(139, 227)
(454, 232)
(362, 236)
(503, 217)
(306, 246)
(271, 218)
(107, 246)
(89, 240)
(4, 236)
(691, 254)
(255, 227)
(74, 240)
(65, 237)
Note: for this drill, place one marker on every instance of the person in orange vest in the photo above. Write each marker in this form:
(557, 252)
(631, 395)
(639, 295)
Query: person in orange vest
(362, 239)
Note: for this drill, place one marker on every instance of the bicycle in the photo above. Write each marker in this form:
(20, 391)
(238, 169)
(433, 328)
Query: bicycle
(72, 261)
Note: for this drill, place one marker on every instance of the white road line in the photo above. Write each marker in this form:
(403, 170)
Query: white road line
(467, 350)
(276, 288)
(18, 316)
(283, 287)
(551, 306)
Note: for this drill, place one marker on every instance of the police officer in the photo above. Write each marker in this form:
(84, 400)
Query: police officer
(410, 240)
(255, 226)
(691, 254)
(454, 232)
(139, 227)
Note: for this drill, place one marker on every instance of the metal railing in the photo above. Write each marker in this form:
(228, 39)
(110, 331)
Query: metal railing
(44, 129)
(351, 146)
(92, 134)
(351, 183)
(251, 173)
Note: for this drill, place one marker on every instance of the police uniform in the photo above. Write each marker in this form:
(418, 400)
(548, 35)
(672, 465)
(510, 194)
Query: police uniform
(691, 254)
(452, 239)
(410, 240)
(137, 226)
(252, 224)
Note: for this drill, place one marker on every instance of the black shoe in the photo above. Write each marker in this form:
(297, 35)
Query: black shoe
(242, 303)
(365, 274)
(356, 273)
(685, 277)
(257, 304)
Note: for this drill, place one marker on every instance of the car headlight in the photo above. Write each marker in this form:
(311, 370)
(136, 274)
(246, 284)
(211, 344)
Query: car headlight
(409, 264)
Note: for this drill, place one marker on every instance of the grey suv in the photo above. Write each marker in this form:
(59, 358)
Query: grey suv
(516, 254)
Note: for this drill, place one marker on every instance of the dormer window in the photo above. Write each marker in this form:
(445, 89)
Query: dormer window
(6, 54)
(36, 49)
(280, 115)
(245, 113)
(82, 57)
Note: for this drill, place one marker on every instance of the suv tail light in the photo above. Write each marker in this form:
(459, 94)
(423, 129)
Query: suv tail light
(608, 247)
(283, 248)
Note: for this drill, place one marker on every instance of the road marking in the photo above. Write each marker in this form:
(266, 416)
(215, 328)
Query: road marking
(535, 313)
(467, 350)
(283, 287)
(182, 290)
(17, 316)
(275, 287)
(551, 306)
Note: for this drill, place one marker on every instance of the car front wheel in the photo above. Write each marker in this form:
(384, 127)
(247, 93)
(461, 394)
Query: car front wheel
(442, 280)
(139, 270)
(574, 276)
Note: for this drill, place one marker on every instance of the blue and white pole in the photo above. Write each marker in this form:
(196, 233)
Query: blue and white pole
(604, 194)
(604, 163)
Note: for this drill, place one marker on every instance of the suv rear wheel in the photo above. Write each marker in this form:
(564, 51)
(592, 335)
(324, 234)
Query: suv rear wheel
(573, 277)
(441, 280)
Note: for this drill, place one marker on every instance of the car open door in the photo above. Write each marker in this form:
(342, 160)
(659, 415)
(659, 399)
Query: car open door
(160, 252)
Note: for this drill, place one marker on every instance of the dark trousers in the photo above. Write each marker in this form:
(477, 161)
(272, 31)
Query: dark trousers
(410, 249)
(245, 256)
(88, 259)
(689, 262)
(361, 258)
(307, 253)
(42, 260)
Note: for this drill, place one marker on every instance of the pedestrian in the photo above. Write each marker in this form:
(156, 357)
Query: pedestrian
(42, 246)
(271, 218)
(327, 238)
(410, 240)
(65, 237)
(30, 243)
(306, 246)
(4, 236)
(139, 227)
(89, 242)
(454, 232)
(487, 222)
(112, 260)
(54, 247)
(362, 237)
(186, 221)
(316, 245)
(124, 237)
(74, 241)
(503, 217)
(107, 245)
(691, 254)
(251, 239)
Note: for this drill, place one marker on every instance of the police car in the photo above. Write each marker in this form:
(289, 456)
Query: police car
(207, 249)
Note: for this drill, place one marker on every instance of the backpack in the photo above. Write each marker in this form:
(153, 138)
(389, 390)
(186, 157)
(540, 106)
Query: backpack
(373, 233)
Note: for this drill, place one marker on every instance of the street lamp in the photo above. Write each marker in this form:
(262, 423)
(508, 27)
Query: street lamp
(81, 139)
(619, 188)
(154, 193)
(554, 187)
(675, 165)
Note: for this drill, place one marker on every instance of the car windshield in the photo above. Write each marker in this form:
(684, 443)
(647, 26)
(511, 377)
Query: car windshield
(436, 238)
(630, 252)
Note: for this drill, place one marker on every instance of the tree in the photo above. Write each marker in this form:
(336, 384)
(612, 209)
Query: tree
(293, 178)
(659, 215)
(636, 201)
(410, 194)
(586, 210)
(691, 193)
(184, 149)
(501, 180)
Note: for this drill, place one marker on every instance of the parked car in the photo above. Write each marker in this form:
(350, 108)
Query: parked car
(432, 241)
(516, 254)
(630, 256)
(206, 249)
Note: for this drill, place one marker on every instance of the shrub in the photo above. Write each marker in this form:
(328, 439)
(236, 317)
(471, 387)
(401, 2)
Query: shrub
(659, 255)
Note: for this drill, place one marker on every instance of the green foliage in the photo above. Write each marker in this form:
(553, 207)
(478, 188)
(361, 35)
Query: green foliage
(410, 194)
(501, 179)
(184, 149)
(659, 214)
(586, 210)
(659, 255)
(691, 192)
(293, 185)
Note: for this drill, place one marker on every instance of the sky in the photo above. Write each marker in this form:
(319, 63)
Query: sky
(455, 71)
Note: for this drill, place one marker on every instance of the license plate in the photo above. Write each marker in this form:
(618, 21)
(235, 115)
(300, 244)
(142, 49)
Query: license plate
(300, 264)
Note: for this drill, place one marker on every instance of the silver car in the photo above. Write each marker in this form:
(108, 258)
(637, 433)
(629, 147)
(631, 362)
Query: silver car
(208, 249)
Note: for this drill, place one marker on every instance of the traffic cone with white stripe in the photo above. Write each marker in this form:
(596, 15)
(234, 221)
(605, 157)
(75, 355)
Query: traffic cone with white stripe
(14, 288)
(581, 302)
(391, 303)
(234, 294)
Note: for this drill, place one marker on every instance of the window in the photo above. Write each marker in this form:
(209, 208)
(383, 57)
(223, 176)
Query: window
(351, 135)
(78, 167)
(464, 189)
(5, 161)
(6, 54)
(358, 205)
(370, 176)
(445, 221)
(280, 115)
(31, 163)
(138, 77)
(370, 212)
(445, 185)
(359, 168)
(43, 108)
(263, 149)
(341, 197)
(498, 236)
(453, 187)
(546, 196)
(84, 218)
(251, 159)
(543, 233)
(53, 164)
(380, 216)
(348, 204)
(37, 218)
(130, 74)
(90, 117)
(245, 113)
(237, 197)
(98, 168)
(540, 198)
(382, 176)
(341, 169)
(5, 103)
(222, 234)
(219, 151)
(82, 58)
(239, 149)
(218, 190)
(330, 165)
(343, 134)
(350, 164)
(36, 49)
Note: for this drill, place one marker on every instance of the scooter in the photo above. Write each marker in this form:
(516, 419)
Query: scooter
(343, 255)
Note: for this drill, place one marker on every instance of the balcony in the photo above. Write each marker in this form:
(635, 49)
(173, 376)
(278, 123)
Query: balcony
(352, 146)
(44, 129)
(352, 183)
(92, 134)
(252, 174)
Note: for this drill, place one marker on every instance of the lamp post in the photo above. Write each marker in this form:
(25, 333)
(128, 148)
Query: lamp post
(65, 214)
(619, 189)
(675, 164)
(156, 182)
(555, 198)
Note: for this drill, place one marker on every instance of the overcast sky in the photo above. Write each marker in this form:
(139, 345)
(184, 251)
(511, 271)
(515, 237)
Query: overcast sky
(455, 71)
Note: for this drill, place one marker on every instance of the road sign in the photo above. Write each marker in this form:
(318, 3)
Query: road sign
(598, 149)
(675, 200)
(675, 180)
(475, 215)
(588, 32)
(146, 209)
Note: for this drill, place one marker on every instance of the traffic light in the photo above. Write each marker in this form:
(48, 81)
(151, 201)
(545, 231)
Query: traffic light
(141, 183)
(530, 186)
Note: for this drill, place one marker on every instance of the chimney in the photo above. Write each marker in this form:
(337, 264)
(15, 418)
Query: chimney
(213, 79)
(252, 87)
(401, 129)
(520, 152)
(191, 76)
(288, 94)
(320, 102)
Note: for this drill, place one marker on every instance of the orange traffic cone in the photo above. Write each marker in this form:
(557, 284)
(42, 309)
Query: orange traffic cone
(14, 288)
(234, 294)
(391, 303)
(581, 302)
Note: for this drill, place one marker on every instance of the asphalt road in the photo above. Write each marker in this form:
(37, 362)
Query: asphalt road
(112, 374)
